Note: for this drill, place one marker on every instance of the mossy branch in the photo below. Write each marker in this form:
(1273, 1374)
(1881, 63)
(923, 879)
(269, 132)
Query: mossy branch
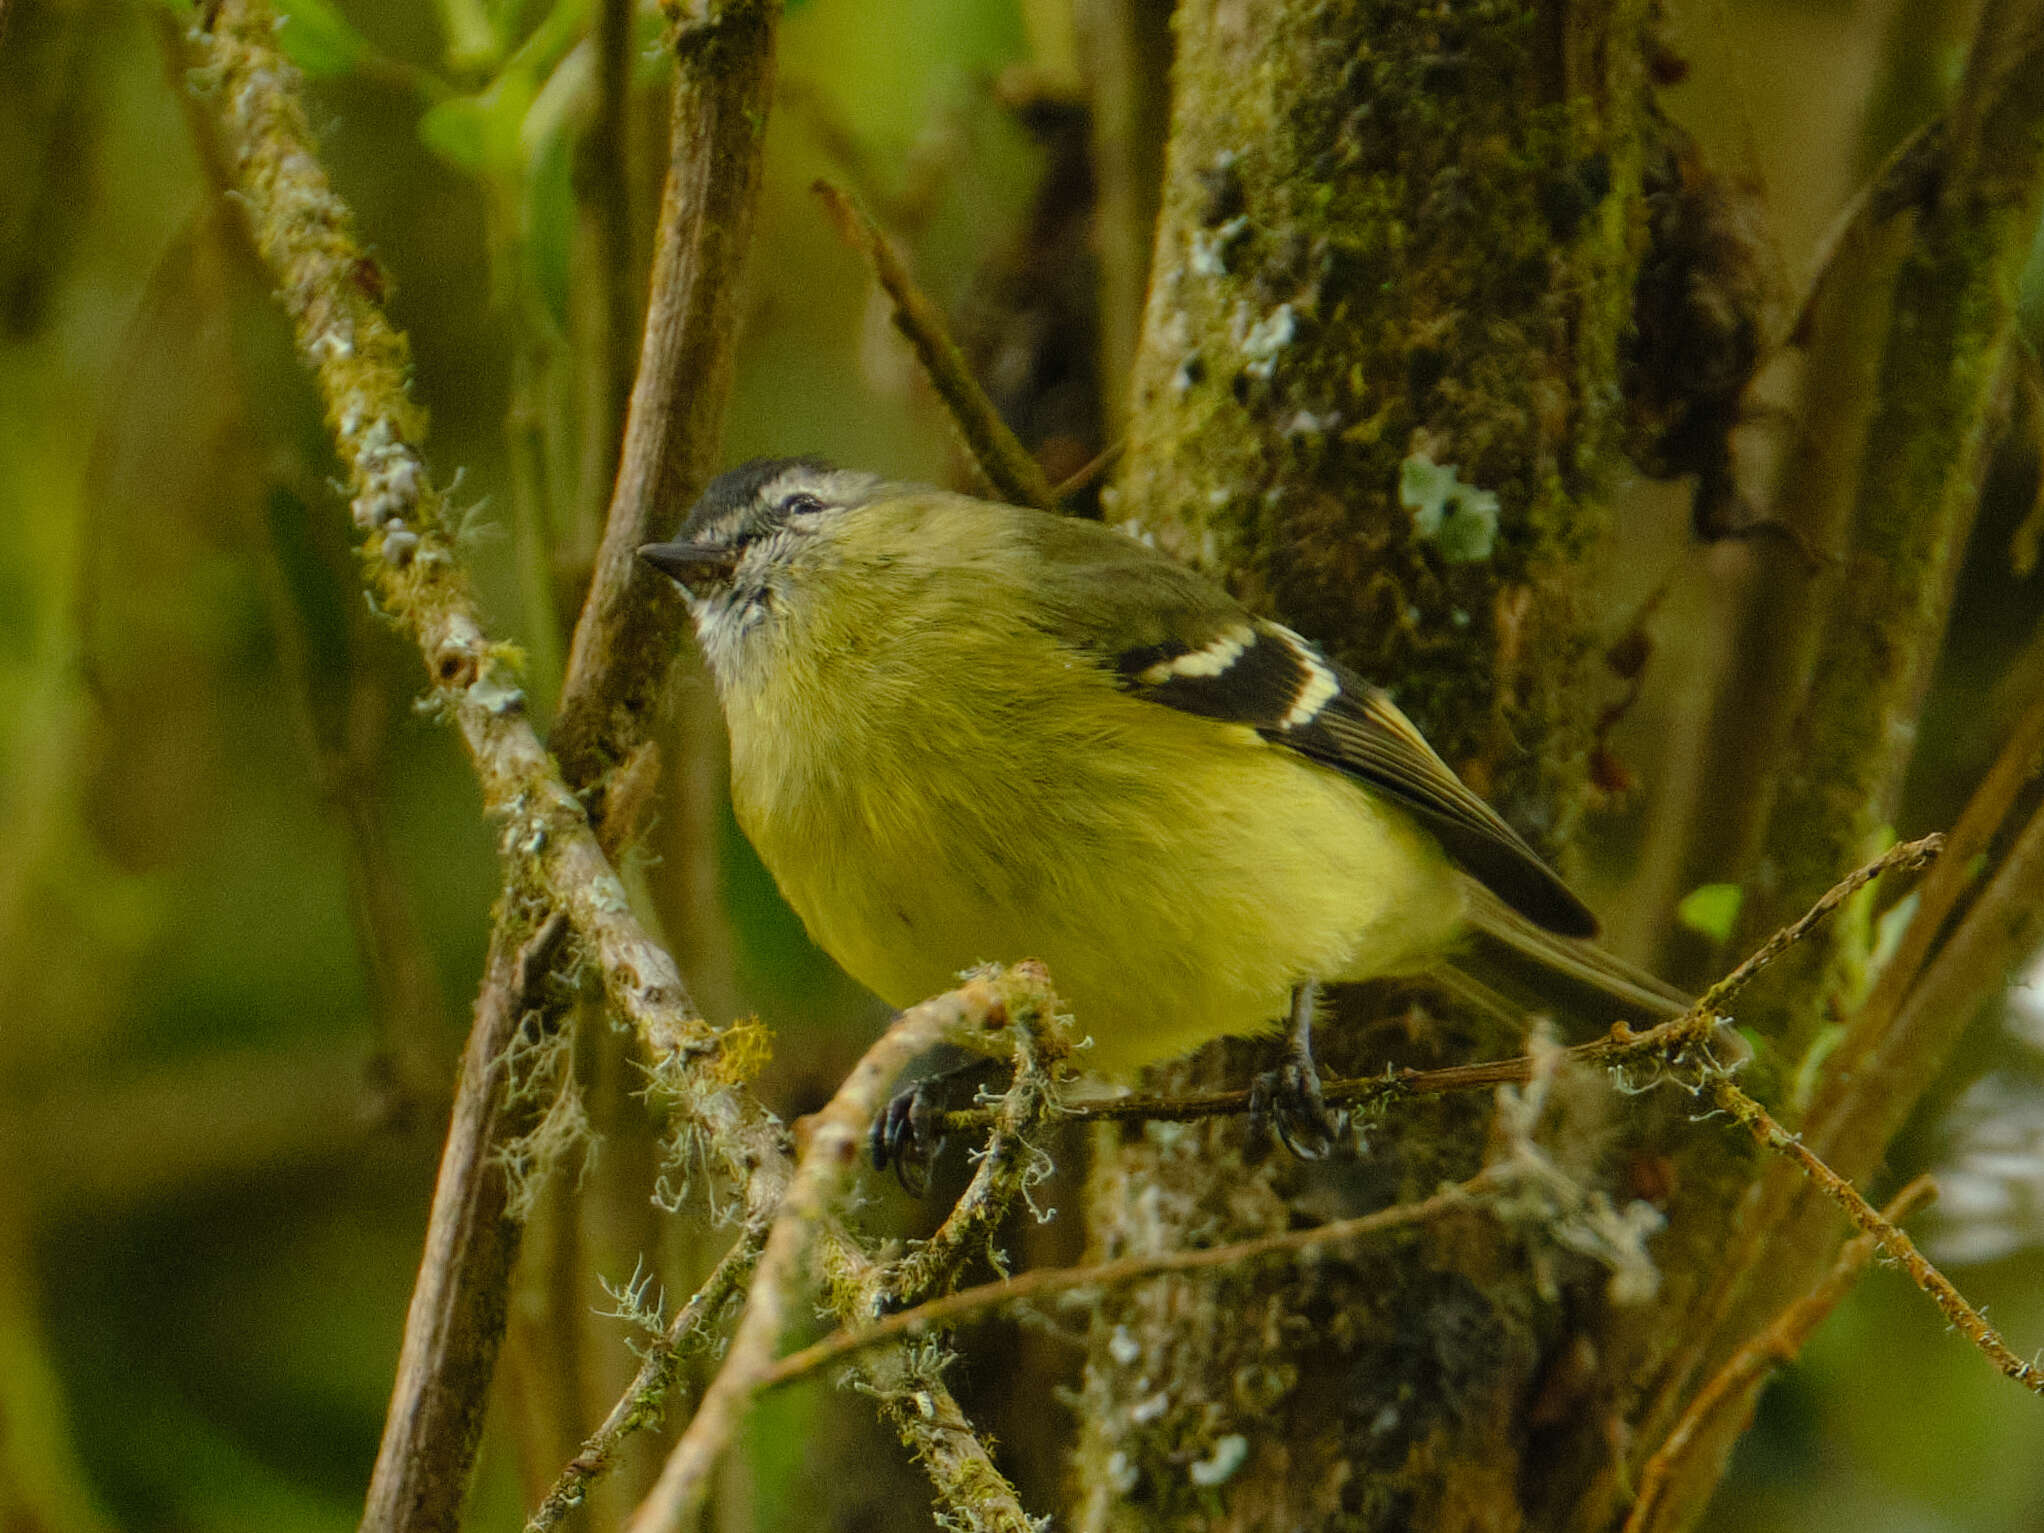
(981, 1008)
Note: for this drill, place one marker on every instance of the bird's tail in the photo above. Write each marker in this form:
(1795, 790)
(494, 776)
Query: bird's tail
(1509, 964)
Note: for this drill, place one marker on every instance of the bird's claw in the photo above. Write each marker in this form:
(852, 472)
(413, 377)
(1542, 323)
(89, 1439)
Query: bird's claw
(905, 1135)
(1287, 1101)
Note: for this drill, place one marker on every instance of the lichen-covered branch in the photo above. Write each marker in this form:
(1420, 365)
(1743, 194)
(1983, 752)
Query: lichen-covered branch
(981, 1008)
(908, 1386)
(645, 1401)
(305, 235)
(1009, 1165)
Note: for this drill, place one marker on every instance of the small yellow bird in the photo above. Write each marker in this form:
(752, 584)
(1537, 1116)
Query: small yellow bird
(964, 732)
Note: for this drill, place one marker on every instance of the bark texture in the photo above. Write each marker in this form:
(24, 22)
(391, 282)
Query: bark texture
(1393, 279)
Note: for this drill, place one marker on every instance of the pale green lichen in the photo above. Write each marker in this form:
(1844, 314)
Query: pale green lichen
(1458, 519)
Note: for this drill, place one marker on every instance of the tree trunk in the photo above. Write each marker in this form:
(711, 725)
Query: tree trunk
(1376, 393)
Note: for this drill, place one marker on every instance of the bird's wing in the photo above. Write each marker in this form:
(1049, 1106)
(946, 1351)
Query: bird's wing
(1169, 636)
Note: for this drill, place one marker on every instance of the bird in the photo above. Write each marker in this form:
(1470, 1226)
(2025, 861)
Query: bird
(965, 732)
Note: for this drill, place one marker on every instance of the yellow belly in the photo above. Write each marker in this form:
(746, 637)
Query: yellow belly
(1178, 876)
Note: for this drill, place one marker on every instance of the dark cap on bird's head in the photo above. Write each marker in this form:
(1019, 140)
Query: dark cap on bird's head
(747, 503)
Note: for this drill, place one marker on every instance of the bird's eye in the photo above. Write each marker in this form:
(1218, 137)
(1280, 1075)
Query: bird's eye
(801, 503)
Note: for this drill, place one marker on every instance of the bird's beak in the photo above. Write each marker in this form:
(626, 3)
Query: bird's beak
(699, 566)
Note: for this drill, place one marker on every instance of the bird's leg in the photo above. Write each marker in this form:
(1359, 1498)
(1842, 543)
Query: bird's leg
(1287, 1099)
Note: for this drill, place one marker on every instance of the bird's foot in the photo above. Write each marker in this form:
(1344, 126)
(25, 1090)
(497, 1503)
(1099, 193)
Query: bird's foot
(908, 1133)
(1286, 1101)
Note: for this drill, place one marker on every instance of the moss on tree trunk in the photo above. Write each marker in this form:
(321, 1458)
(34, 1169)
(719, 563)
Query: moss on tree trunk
(1376, 393)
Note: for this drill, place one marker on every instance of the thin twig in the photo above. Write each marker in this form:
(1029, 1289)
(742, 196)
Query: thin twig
(1621, 1045)
(908, 1386)
(1969, 1322)
(645, 1400)
(1048, 1282)
(1868, 1078)
(980, 1007)
(1909, 857)
(1009, 467)
(624, 641)
(1781, 1342)
(1876, 1047)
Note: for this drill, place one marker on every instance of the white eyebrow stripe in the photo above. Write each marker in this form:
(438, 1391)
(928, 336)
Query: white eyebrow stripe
(1211, 659)
(1320, 687)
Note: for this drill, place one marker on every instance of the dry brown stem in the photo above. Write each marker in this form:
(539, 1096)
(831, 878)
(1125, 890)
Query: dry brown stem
(1009, 467)
(625, 639)
(1967, 1320)
(456, 1320)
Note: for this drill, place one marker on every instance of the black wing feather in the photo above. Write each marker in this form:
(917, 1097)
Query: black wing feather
(1294, 696)
(1174, 638)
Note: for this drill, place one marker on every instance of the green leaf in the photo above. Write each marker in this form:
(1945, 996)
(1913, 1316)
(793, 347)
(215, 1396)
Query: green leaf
(479, 134)
(318, 38)
(1712, 909)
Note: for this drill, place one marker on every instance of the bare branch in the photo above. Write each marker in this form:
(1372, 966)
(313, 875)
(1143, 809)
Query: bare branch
(967, 1016)
(1969, 1322)
(456, 1320)
(1778, 1344)
(1009, 467)
(624, 640)
(1049, 1282)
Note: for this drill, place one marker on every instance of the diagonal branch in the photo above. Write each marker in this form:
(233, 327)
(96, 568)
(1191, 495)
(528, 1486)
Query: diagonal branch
(1967, 1320)
(305, 236)
(1009, 467)
(1050, 1282)
(644, 1400)
(1778, 1344)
